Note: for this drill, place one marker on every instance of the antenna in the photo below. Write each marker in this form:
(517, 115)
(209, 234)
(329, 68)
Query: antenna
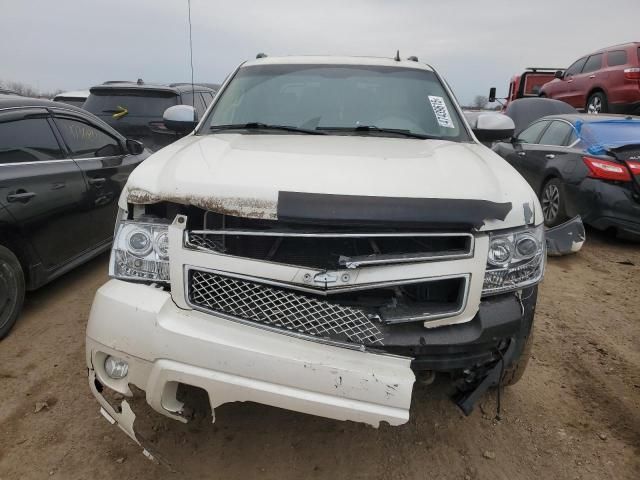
(397, 57)
(193, 90)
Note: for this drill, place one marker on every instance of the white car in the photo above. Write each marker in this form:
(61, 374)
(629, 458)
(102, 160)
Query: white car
(75, 98)
(331, 230)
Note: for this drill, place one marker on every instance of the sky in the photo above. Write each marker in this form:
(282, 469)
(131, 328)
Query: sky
(474, 44)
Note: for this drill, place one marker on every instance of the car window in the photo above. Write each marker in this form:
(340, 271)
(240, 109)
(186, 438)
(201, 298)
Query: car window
(188, 99)
(338, 99)
(201, 105)
(532, 133)
(575, 68)
(86, 141)
(128, 103)
(557, 134)
(616, 57)
(593, 63)
(28, 140)
(208, 96)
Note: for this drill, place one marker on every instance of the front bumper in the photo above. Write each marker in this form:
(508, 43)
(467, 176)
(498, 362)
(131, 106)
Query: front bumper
(166, 346)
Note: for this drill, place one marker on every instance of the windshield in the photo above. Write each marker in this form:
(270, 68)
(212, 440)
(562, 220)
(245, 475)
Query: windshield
(143, 103)
(339, 99)
(601, 135)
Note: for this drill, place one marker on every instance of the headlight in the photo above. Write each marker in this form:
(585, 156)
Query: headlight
(515, 260)
(140, 250)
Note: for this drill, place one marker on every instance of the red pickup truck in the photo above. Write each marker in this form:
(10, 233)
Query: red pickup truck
(527, 84)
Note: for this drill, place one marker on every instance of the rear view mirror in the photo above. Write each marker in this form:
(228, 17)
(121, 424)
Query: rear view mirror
(180, 118)
(492, 94)
(490, 127)
(559, 74)
(134, 147)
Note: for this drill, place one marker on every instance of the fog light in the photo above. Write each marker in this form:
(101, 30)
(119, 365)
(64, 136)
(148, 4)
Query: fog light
(115, 367)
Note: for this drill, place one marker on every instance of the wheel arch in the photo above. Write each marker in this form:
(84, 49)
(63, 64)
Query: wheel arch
(548, 175)
(13, 241)
(596, 89)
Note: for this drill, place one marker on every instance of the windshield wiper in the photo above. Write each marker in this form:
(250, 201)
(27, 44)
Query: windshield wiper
(264, 126)
(373, 128)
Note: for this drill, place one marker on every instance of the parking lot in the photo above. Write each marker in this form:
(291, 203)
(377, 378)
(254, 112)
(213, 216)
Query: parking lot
(576, 414)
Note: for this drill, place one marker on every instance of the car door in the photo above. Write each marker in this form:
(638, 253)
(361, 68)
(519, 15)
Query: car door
(102, 157)
(564, 89)
(41, 188)
(549, 155)
(521, 152)
(584, 81)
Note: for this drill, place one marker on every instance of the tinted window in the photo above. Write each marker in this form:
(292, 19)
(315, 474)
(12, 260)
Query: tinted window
(201, 105)
(556, 134)
(208, 96)
(617, 57)
(531, 134)
(188, 99)
(28, 140)
(575, 68)
(143, 103)
(593, 63)
(339, 98)
(86, 141)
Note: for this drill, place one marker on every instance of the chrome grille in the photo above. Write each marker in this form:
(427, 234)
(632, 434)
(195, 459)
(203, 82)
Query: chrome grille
(279, 308)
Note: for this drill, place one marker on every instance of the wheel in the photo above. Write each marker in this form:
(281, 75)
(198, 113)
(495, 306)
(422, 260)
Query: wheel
(514, 372)
(597, 103)
(11, 290)
(552, 201)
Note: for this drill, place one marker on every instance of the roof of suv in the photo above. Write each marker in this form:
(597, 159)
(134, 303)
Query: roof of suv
(174, 87)
(619, 46)
(329, 60)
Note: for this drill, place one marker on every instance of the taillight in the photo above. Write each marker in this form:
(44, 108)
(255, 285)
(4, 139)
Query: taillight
(606, 170)
(635, 167)
(632, 73)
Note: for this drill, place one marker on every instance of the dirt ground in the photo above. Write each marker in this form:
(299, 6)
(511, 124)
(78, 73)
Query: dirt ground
(575, 415)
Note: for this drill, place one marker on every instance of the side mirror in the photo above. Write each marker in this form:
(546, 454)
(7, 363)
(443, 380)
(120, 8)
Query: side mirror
(134, 147)
(559, 74)
(492, 94)
(180, 118)
(490, 127)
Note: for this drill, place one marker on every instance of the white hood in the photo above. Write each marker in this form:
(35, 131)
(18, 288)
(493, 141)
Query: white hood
(243, 174)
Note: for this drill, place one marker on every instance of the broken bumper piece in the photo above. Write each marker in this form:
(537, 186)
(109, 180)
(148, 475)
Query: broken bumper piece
(232, 362)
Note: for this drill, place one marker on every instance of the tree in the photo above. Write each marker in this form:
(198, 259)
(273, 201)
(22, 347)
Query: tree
(27, 90)
(480, 102)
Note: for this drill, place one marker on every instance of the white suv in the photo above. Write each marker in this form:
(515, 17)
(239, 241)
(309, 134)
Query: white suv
(331, 230)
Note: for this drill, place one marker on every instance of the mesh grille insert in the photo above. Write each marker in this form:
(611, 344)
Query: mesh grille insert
(280, 308)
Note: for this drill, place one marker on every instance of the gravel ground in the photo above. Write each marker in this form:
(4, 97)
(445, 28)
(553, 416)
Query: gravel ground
(575, 414)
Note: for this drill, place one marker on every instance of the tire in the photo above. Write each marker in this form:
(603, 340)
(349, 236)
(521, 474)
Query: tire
(11, 290)
(597, 103)
(553, 203)
(514, 372)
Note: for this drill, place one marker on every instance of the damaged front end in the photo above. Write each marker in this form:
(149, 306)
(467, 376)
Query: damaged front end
(332, 320)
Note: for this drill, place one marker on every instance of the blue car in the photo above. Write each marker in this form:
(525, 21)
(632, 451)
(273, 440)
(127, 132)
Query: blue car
(579, 164)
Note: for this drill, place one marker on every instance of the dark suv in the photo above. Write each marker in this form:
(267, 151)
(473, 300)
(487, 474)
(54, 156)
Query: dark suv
(135, 108)
(606, 81)
(61, 173)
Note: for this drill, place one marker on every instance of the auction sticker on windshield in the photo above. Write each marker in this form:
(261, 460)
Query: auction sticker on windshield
(441, 112)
